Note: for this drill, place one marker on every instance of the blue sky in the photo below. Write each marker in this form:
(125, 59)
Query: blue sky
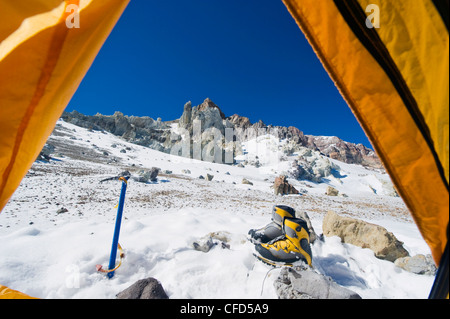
(249, 57)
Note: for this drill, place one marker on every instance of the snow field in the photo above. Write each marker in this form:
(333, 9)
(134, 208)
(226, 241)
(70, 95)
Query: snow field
(50, 255)
(59, 262)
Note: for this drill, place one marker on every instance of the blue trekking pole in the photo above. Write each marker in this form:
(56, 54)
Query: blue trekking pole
(115, 244)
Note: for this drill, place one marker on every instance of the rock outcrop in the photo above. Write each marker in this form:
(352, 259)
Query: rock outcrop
(208, 117)
(346, 152)
(240, 121)
(208, 104)
(138, 130)
(310, 165)
(186, 118)
(282, 187)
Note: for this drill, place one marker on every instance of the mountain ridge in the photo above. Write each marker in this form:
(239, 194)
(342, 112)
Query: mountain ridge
(160, 135)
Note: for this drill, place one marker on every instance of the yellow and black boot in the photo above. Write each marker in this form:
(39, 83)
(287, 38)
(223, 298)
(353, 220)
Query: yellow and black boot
(274, 228)
(292, 246)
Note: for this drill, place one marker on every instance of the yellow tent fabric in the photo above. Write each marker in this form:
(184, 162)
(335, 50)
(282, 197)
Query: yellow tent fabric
(394, 75)
(7, 293)
(46, 48)
(42, 62)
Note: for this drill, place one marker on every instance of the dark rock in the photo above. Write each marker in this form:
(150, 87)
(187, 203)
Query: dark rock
(145, 176)
(62, 210)
(46, 152)
(149, 288)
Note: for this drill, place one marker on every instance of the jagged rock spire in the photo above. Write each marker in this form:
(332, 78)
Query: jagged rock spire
(207, 103)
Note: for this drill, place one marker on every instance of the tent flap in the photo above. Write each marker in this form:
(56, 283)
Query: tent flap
(44, 54)
(46, 48)
(8, 293)
(395, 78)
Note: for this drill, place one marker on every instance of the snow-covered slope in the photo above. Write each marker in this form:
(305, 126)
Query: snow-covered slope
(51, 255)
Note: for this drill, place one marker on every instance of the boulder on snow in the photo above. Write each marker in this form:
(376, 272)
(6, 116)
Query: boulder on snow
(46, 153)
(363, 234)
(61, 210)
(246, 181)
(209, 177)
(148, 288)
(282, 186)
(145, 176)
(418, 264)
(153, 174)
(305, 283)
(331, 191)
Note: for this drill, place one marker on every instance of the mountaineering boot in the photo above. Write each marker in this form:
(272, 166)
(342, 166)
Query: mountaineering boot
(274, 228)
(292, 246)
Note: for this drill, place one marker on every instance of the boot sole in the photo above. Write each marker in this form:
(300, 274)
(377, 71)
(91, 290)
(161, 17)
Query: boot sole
(273, 263)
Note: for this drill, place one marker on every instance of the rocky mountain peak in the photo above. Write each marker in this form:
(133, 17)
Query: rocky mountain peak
(207, 103)
(208, 114)
(185, 119)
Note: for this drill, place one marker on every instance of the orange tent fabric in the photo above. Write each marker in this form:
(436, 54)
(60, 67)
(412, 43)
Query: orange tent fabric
(7, 293)
(46, 48)
(42, 62)
(395, 79)
(390, 61)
